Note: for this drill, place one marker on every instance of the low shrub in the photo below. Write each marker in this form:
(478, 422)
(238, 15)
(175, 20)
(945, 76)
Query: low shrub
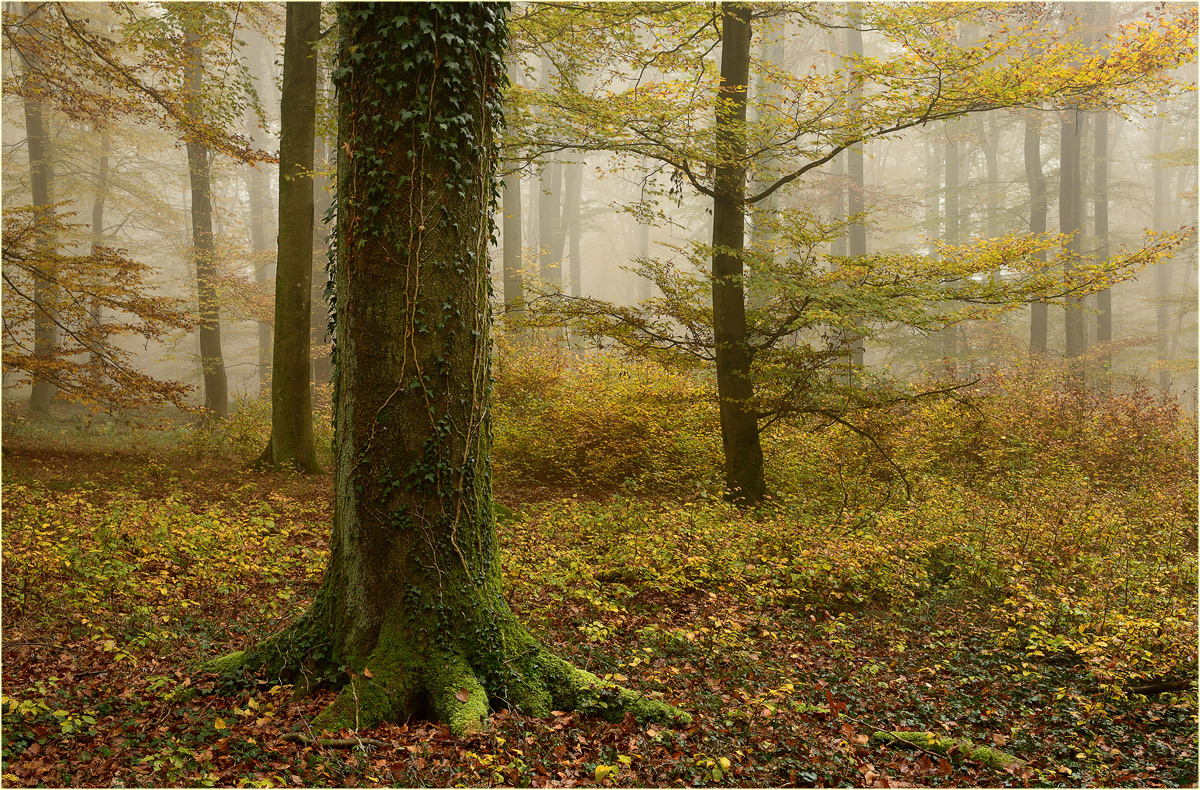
(595, 421)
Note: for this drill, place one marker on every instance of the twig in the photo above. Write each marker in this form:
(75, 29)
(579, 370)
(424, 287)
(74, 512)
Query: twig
(339, 743)
(877, 728)
(38, 644)
(1158, 688)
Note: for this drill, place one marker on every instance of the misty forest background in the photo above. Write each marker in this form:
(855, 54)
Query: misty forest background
(976, 507)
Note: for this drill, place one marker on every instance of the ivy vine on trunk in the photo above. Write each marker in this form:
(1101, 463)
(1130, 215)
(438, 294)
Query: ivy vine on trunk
(411, 602)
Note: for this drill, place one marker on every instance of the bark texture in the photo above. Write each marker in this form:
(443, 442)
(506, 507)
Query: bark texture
(291, 441)
(216, 388)
(41, 173)
(735, 387)
(411, 601)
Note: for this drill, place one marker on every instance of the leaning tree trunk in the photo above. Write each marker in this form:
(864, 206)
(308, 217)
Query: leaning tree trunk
(411, 601)
(291, 440)
(216, 388)
(735, 386)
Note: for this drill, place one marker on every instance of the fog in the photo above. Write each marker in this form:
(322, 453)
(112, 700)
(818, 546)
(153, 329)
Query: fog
(589, 215)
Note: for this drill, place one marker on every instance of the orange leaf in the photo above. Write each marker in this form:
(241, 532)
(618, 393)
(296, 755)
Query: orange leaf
(463, 695)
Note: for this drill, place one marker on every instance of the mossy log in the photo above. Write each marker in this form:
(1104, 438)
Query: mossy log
(993, 758)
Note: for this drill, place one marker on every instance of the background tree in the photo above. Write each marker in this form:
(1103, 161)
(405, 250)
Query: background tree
(291, 440)
(928, 76)
(212, 363)
(411, 601)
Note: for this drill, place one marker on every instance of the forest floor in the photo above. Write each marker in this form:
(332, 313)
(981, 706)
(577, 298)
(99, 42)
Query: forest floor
(127, 563)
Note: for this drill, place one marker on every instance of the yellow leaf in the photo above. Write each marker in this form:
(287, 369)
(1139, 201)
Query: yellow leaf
(220, 724)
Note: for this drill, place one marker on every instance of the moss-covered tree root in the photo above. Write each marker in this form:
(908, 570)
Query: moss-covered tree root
(404, 678)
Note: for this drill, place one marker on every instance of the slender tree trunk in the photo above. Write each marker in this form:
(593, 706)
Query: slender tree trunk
(514, 287)
(101, 195)
(1039, 326)
(1163, 268)
(857, 232)
(1070, 220)
(411, 617)
(949, 335)
(41, 172)
(257, 190)
(933, 183)
(644, 284)
(550, 264)
(1100, 184)
(837, 177)
(216, 389)
(291, 441)
(572, 223)
(735, 385)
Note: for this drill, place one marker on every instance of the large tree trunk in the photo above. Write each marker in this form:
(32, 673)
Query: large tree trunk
(291, 441)
(216, 388)
(1070, 221)
(411, 602)
(45, 331)
(1039, 319)
(735, 386)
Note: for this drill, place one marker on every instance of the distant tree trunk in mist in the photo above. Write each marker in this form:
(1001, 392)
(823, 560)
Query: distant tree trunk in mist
(1100, 204)
(857, 232)
(549, 230)
(1039, 320)
(572, 223)
(550, 266)
(291, 441)
(514, 295)
(949, 335)
(258, 190)
(735, 387)
(644, 285)
(933, 183)
(41, 175)
(216, 388)
(1163, 268)
(837, 176)
(98, 200)
(1070, 221)
(991, 156)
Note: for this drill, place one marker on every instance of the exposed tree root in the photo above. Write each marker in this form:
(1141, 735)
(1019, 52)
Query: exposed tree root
(404, 678)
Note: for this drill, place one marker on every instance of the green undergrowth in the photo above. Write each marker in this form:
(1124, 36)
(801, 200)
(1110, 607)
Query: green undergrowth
(1044, 567)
